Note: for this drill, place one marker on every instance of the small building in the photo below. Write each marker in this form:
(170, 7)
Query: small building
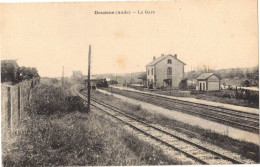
(93, 84)
(165, 71)
(208, 82)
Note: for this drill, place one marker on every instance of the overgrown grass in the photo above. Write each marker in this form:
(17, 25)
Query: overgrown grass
(54, 134)
(75, 139)
(242, 147)
(147, 153)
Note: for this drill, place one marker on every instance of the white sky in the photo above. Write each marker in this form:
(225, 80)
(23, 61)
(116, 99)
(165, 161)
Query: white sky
(218, 33)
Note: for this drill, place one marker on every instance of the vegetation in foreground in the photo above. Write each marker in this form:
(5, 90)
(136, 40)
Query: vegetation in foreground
(246, 149)
(52, 133)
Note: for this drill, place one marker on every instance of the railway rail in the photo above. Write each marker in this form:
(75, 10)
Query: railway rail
(197, 152)
(234, 118)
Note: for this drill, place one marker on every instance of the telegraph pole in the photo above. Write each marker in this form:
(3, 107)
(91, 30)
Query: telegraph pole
(89, 58)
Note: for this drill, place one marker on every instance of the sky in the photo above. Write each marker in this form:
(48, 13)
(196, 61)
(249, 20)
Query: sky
(216, 33)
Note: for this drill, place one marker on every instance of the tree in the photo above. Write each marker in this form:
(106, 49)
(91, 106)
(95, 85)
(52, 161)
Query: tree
(27, 73)
(255, 77)
(9, 71)
(167, 81)
(246, 83)
(34, 72)
(240, 74)
(183, 84)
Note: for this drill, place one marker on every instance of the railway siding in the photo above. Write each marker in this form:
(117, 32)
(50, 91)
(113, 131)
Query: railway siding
(240, 120)
(197, 152)
(193, 120)
(198, 101)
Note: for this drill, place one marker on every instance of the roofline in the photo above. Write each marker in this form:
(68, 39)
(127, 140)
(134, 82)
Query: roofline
(218, 76)
(164, 58)
(209, 76)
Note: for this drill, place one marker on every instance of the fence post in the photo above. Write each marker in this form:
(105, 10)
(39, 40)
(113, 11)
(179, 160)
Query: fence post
(29, 92)
(19, 102)
(8, 114)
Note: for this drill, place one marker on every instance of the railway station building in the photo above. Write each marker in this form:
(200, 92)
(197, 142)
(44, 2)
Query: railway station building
(93, 83)
(165, 71)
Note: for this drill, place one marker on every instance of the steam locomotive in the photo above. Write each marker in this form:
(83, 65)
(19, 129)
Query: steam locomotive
(102, 83)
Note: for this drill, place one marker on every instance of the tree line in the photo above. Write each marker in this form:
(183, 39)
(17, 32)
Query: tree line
(250, 75)
(16, 75)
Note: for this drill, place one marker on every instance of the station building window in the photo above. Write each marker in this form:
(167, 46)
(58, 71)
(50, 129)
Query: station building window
(169, 61)
(169, 71)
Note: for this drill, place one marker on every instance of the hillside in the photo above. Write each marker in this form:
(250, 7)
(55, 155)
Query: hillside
(231, 76)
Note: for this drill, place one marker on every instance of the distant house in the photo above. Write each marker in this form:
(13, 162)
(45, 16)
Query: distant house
(77, 75)
(208, 82)
(164, 71)
(9, 70)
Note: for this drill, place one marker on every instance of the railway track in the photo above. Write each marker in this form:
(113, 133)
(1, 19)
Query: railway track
(195, 151)
(234, 118)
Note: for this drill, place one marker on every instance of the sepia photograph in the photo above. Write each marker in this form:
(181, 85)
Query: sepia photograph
(129, 83)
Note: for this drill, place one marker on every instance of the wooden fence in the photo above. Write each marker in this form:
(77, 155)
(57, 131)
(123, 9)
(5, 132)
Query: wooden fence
(13, 100)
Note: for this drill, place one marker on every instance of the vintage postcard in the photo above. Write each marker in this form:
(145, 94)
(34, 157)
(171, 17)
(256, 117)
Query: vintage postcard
(129, 83)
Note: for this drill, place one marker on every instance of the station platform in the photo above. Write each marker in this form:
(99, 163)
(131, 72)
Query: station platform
(198, 101)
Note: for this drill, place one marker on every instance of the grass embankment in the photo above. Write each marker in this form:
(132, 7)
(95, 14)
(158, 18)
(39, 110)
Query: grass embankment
(240, 97)
(53, 133)
(241, 147)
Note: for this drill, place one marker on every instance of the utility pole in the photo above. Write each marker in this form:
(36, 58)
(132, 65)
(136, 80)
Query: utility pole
(89, 58)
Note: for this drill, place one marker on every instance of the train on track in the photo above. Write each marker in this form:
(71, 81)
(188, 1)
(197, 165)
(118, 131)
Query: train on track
(97, 83)
(102, 83)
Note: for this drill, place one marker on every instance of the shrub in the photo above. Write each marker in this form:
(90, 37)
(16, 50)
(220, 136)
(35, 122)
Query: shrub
(246, 83)
(191, 87)
(76, 103)
(183, 84)
(193, 92)
(75, 139)
(48, 100)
